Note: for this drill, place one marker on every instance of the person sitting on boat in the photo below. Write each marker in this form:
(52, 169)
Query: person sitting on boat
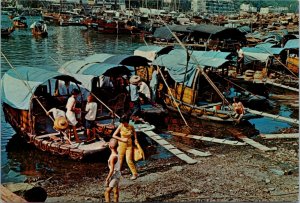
(238, 108)
(144, 91)
(125, 148)
(71, 113)
(134, 95)
(90, 117)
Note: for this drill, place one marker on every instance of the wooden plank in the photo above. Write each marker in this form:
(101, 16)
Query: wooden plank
(256, 144)
(8, 196)
(210, 105)
(282, 86)
(181, 155)
(280, 136)
(191, 150)
(208, 139)
(275, 117)
(284, 97)
(198, 153)
(249, 141)
(47, 135)
(186, 158)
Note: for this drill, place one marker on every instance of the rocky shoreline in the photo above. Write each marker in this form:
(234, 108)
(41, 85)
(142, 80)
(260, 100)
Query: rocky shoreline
(235, 173)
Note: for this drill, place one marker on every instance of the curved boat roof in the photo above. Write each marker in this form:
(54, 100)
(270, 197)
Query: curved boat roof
(15, 85)
(127, 60)
(98, 57)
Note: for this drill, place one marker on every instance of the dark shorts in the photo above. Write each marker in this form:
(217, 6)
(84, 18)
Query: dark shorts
(90, 124)
(136, 108)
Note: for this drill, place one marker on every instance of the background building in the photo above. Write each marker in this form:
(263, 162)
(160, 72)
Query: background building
(213, 6)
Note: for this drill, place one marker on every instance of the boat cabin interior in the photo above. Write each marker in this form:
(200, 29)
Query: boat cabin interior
(52, 94)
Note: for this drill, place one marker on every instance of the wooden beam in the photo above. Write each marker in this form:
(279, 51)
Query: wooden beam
(8, 196)
(280, 136)
(275, 117)
(282, 86)
(181, 155)
(208, 139)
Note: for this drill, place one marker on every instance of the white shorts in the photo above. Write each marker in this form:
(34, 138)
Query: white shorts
(71, 118)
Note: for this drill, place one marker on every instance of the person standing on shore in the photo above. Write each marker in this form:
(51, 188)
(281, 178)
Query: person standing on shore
(125, 144)
(113, 177)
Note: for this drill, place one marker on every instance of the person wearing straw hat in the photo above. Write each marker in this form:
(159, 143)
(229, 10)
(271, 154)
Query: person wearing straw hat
(60, 123)
(134, 95)
(60, 120)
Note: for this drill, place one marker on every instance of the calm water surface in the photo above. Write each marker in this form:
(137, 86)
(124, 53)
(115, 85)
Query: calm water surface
(64, 44)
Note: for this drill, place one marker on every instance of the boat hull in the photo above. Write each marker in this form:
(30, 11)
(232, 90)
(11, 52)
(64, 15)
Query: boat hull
(293, 64)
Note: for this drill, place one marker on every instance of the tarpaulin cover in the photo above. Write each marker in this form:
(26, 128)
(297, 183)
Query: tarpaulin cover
(292, 44)
(176, 63)
(150, 52)
(255, 54)
(18, 87)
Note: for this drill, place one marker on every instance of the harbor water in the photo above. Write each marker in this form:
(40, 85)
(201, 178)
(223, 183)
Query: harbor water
(19, 161)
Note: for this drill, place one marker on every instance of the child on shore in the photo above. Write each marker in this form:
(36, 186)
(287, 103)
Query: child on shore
(113, 177)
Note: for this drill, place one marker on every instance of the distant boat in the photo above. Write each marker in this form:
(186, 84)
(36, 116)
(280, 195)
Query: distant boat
(39, 28)
(20, 22)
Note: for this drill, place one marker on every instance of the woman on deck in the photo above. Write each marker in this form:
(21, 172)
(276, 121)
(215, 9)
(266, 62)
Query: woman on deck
(125, 144)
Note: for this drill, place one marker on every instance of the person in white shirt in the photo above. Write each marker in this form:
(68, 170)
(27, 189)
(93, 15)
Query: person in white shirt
(144, 89)
(56, 113)
(240, 60)
(90, 117)
(154, 83)
(71, 113)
